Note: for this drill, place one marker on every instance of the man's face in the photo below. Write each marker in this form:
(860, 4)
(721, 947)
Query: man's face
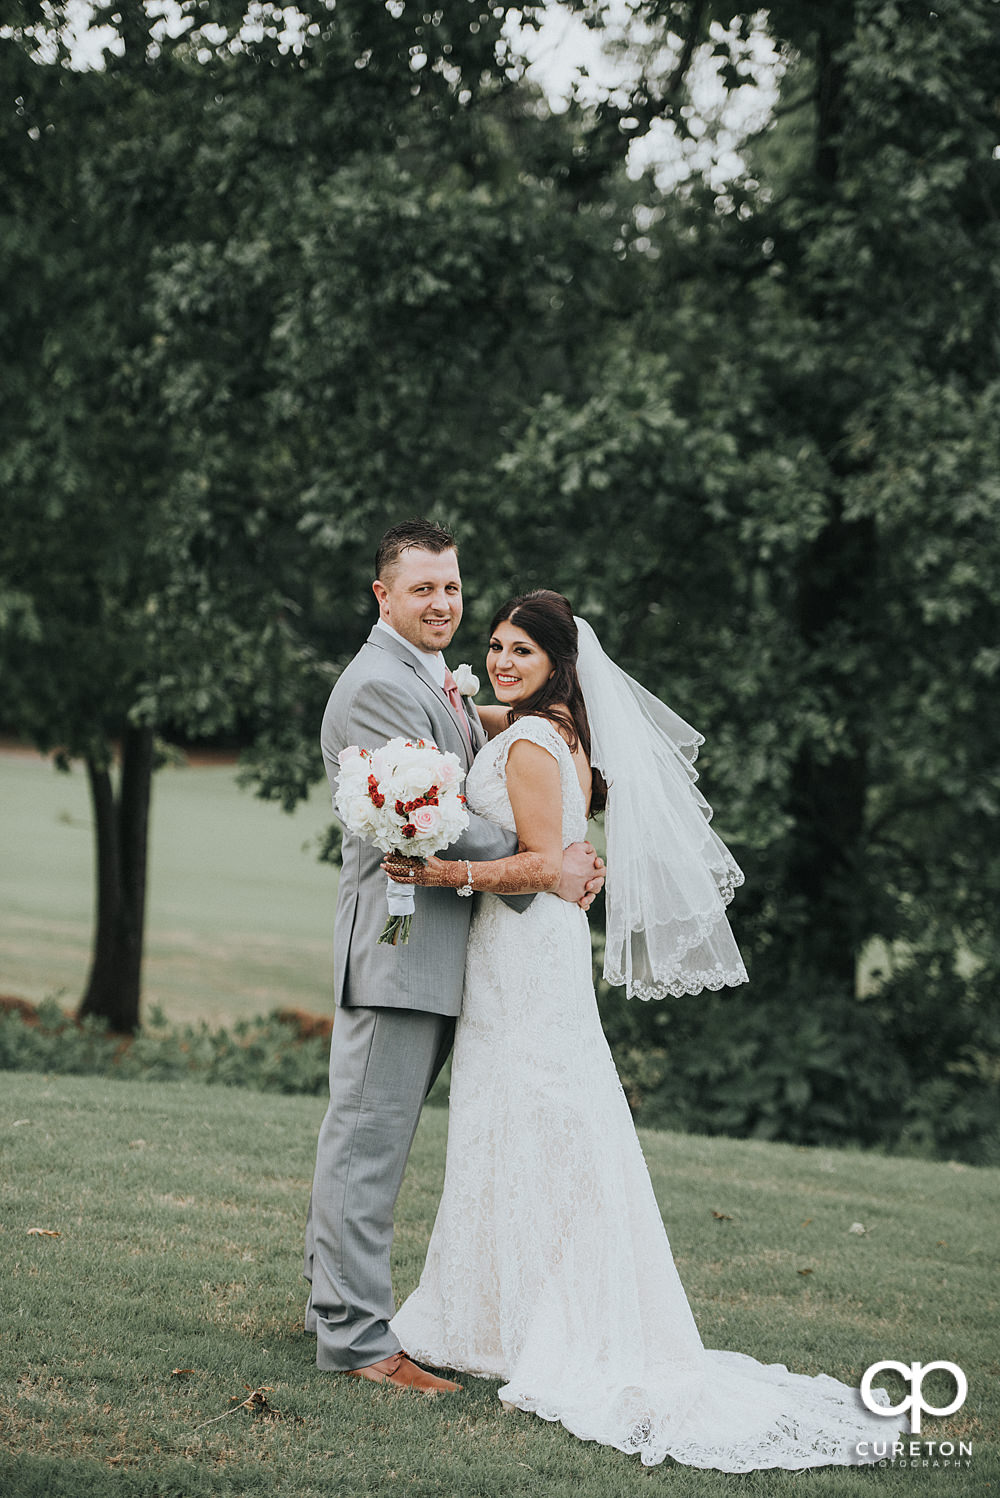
(422, 597)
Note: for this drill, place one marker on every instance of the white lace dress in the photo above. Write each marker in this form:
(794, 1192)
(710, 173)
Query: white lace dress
(549, 1266)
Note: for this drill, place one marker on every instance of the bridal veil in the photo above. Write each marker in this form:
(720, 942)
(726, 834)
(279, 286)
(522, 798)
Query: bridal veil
(670, 877)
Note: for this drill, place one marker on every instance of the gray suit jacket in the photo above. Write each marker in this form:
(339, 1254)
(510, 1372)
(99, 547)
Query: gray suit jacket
(382, 694)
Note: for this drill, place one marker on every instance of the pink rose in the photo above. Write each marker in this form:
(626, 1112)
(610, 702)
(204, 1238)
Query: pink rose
(351, 752)
(425, 818)
(446, 774)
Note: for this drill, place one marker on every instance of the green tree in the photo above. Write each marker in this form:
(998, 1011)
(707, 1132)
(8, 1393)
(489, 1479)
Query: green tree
(779, 493)
(407, 303)
(250, 286)
(752, 433)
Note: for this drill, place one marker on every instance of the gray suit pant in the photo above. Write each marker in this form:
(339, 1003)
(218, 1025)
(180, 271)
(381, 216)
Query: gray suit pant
(383, 1063)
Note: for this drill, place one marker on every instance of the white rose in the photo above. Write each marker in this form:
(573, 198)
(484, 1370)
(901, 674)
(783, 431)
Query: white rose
(382, 762)
(359, 813)
(409, 782)
(350, 783)
(466, 680)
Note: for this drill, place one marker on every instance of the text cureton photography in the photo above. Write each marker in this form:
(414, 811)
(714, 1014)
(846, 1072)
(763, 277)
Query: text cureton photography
(957, 1454)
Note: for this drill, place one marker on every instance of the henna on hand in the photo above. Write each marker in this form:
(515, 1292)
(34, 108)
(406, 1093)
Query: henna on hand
(520, 874)
(431, 873)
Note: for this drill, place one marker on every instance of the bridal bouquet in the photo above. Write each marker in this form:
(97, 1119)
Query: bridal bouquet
(403, 798)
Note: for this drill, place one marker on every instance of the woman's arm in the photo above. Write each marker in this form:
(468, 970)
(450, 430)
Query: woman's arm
(493, 719)
(535, 792)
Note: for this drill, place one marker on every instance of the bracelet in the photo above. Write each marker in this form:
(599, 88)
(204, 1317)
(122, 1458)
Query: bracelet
(467, 889)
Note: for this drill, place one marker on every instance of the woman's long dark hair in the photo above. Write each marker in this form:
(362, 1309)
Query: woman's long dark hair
(547, 618)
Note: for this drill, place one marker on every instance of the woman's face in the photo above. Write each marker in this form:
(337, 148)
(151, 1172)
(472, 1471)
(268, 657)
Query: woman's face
(517, 667)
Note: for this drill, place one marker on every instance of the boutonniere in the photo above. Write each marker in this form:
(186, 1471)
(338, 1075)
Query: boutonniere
(466, 680)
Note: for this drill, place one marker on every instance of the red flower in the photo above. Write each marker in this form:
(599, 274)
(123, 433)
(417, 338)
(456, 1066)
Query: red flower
(377, 798)
(404, 808)
(409, 830)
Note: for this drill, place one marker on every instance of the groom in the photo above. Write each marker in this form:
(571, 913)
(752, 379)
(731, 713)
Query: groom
(396, 1005)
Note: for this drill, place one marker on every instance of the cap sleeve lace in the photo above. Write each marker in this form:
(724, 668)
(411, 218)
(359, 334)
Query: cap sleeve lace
(486, 787)
(537, 731)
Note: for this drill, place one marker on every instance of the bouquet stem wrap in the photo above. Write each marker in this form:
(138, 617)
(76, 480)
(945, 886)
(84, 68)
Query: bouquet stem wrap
(399, 898)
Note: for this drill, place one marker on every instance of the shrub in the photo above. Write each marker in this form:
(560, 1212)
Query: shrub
(272, 1054)
(913, 1068)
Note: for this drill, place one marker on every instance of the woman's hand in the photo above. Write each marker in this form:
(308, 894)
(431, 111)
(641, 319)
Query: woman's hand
(430, 872)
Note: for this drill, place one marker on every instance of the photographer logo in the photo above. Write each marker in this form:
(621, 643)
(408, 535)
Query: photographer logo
(914, 1374)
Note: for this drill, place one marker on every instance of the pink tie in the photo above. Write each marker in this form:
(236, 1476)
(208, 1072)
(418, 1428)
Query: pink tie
(454, 696)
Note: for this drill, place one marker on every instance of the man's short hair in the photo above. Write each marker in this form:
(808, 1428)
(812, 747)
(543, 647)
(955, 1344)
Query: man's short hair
(399, 538)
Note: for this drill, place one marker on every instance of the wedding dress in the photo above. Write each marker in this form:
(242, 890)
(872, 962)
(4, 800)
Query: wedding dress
(549, 1266)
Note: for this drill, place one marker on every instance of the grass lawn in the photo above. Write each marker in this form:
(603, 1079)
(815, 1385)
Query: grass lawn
(239, 916)
(172, 1293)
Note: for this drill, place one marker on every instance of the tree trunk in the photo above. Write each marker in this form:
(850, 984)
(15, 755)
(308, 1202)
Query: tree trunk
(829, 103)
(121, 828)
(828, 794)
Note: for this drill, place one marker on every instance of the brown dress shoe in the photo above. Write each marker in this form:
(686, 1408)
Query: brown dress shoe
(402, 1374)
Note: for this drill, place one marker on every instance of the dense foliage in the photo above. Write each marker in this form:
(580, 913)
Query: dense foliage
(267, 300)
(269, 1054)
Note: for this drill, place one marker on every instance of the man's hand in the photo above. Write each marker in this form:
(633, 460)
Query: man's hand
(582, 875)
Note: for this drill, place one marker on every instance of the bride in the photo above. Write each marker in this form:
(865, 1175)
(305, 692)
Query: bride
(548, 1266)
